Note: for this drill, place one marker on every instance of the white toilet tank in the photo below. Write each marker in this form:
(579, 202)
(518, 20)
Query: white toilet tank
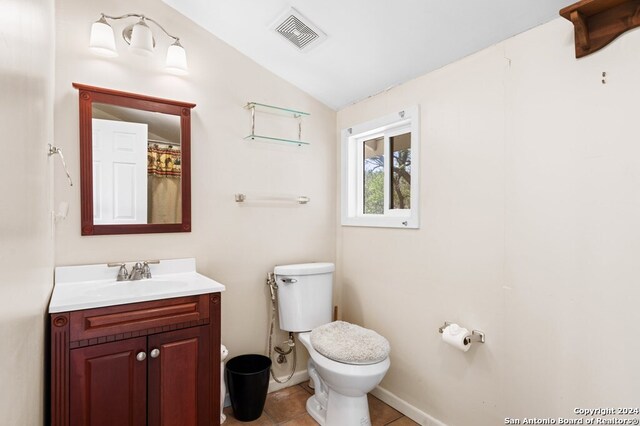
(304, 295)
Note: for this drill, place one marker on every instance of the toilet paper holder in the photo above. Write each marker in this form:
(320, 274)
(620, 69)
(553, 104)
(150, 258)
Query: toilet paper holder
(476, 335)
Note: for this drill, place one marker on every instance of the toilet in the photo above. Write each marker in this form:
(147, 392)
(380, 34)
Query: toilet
(345, 361)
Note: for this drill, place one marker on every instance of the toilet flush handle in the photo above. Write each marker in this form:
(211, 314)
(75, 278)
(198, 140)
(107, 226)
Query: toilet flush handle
(289, 280)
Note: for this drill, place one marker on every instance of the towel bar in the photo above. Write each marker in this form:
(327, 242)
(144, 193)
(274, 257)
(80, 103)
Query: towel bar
(302, 199)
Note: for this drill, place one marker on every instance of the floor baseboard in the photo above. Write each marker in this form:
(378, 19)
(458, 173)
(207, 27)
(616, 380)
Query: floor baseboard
(405, 408)
(297, 378)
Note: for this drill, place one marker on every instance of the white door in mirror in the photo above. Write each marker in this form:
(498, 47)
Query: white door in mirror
(119, 172)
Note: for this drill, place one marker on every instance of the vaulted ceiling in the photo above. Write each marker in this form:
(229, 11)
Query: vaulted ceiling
(371, 45)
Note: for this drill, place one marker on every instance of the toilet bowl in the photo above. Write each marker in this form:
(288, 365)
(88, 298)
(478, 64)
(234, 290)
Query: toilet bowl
(340, 389)
(304, 293)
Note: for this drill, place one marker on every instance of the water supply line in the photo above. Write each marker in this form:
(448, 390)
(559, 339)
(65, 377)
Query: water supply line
(289, 344)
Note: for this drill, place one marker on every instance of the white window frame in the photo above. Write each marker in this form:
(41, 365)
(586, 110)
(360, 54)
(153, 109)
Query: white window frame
(401, 122)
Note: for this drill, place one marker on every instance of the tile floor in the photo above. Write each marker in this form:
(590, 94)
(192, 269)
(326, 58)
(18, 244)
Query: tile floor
(287, 407)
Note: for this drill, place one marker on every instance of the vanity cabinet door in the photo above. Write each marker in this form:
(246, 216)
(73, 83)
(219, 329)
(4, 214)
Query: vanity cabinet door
(108, 384)
(179, 378)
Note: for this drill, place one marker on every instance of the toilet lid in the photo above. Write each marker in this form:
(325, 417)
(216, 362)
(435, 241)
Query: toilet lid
(349, 343)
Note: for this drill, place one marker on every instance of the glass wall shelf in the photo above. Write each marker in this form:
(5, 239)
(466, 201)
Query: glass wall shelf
(256, 106)
(274, 109)
(272, 139)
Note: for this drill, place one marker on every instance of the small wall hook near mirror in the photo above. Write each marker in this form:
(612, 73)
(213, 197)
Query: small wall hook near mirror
(55, 150)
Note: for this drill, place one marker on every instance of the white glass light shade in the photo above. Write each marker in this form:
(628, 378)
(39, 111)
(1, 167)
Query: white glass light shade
(176, 59)
(102, 40)
(141, 39)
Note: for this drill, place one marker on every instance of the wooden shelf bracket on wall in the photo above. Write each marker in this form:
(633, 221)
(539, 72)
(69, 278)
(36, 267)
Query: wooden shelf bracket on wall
(598, 22)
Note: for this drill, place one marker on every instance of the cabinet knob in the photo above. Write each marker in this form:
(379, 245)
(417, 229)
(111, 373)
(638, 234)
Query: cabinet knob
(155, 353)
(141, 356)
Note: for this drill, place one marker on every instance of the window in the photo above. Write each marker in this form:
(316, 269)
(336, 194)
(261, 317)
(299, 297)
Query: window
(380, 172)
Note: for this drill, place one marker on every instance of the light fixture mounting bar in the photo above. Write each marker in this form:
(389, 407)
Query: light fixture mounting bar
(143, 17)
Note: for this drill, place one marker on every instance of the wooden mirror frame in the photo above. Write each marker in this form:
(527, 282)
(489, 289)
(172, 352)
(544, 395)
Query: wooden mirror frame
(87, 96)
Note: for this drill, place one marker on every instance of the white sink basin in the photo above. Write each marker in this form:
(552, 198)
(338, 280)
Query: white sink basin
(93, 286)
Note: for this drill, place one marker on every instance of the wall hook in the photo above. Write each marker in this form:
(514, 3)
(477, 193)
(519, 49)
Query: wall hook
(604, 77)
(55, 150)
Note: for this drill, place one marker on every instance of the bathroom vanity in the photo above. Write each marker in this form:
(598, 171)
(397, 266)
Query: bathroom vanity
(143, 352)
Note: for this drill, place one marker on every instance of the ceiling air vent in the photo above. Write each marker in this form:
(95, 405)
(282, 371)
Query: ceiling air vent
(298, 30)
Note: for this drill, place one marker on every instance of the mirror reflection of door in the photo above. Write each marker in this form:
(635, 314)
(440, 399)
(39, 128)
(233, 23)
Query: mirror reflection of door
(119, 172)
(139, 180)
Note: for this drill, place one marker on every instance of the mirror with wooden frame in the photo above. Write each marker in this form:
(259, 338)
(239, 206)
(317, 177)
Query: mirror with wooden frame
(135, 163)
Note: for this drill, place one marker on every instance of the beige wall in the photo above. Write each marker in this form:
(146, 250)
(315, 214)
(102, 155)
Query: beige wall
(26, 238)
(234, 244)
(529, 231)
(529, 211)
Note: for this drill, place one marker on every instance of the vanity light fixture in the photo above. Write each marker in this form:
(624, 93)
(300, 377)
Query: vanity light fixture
(139, 38)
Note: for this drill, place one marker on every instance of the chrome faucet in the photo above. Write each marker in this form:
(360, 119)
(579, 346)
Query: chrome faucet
(140, 270)
(136, 272)
(146, 270)
(123, 274)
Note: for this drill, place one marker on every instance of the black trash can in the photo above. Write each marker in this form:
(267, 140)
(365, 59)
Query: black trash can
(248, 382)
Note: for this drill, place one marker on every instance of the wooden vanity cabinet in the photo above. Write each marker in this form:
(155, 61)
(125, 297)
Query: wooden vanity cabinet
(150, 363)
(108, 385)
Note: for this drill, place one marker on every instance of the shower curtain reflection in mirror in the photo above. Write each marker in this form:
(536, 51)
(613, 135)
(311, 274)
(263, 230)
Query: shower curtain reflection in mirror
(163, 184)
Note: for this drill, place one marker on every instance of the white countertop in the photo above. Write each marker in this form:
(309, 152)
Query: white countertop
(94, 286)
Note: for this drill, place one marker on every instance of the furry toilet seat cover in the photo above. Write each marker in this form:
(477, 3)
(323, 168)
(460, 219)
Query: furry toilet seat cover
(349, 343)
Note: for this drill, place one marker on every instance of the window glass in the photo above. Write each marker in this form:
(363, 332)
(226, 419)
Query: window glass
(400, 176)
(373, 176)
